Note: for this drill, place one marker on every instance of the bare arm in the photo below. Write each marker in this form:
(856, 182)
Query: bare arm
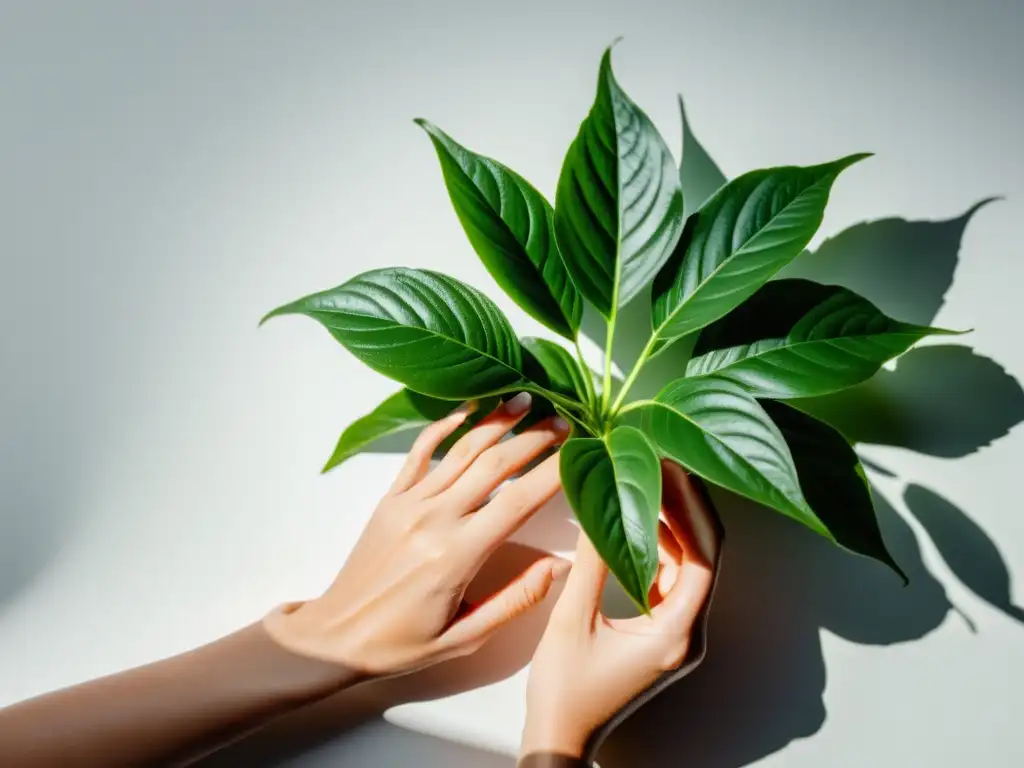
(395, 607)
(171, 711)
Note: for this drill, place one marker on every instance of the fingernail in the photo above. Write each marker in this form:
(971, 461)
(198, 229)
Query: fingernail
(560, 569)
(466, 408)
(560, 425)
(518, 404)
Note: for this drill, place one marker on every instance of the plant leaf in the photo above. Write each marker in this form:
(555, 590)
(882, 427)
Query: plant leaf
(833, 481)
(714, 428)
(797, 338)
(509, 224)
(403, 411)
(614, 486)
(426, 330)
(551, 366)
(745, 233)
(618, 206)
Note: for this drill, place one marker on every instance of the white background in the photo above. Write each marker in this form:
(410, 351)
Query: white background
(170, 171)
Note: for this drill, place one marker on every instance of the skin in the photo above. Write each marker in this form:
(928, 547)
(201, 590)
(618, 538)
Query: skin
(395, 607)
(589, 667)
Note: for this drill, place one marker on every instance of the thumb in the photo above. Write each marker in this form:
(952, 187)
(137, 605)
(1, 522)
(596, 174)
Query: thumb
(526, 591)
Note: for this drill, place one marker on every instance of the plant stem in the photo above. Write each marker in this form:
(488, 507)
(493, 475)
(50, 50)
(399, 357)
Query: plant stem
(633, 374)
(606, 389)
(633, 406)
(588, 382)
(566, 403)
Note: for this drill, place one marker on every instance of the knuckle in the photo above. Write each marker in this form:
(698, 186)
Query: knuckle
(494, 462)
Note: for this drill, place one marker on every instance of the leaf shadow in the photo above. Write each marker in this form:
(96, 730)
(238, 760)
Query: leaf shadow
(751, 698)
(784, 583)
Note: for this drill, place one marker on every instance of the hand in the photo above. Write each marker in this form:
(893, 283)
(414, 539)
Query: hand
(397, 604)
(587, 667)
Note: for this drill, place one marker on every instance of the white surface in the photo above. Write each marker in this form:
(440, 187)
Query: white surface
(170, 171)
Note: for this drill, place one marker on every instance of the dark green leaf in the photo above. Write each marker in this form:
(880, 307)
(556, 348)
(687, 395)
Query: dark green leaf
(618, 206)
(510, 226)
(402, 411)
(614, 486)
(745, 233)
(553, 368)
(796, 338)
(833, 482)
(427, 330)
(717, 430)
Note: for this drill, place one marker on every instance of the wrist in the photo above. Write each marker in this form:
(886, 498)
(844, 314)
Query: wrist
(303, 640)
(554, 733)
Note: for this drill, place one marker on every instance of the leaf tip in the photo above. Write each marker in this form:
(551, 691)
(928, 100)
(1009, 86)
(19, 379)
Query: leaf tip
(849, 160)
(286, 309)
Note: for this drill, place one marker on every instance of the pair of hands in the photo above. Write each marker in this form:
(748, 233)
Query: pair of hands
(397, 604)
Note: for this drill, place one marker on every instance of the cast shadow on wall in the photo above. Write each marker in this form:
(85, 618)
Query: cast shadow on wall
(780, 583)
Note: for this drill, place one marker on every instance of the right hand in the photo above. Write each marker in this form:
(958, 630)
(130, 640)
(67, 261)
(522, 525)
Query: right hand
(588, 667)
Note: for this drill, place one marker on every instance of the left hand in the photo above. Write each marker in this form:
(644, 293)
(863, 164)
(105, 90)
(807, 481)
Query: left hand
(397, 604)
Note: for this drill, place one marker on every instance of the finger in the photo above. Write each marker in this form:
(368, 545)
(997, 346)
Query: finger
(670, 559)
(526, 591)
(583, 589)
(430, 438)
(513, 506)
(687, 514)
(481, 437)
(501, 461)
(689, 519)
(681, 606)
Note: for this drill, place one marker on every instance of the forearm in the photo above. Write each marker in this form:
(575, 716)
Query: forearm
(168, 712)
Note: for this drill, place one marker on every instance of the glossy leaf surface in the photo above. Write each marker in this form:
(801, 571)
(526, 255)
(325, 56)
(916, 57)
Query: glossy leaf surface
(797, 338)
(404, 410)
(614, 486)
(553, 367)
(434, 334)
(714, 428)
(618, 206)
(509, 224)
(745, 233)
(833, 481)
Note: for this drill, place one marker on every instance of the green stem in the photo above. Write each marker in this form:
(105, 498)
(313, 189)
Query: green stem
(567, 403)
(633, 374)
(588, 382)
(606, 390)
(633, 406)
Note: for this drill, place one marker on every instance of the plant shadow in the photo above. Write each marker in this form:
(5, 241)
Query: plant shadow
(752, 697)
(781, 580)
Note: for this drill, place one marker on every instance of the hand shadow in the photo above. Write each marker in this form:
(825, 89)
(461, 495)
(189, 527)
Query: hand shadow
(762, 682)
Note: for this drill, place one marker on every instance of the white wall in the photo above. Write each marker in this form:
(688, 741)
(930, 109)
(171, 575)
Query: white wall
(170, 171)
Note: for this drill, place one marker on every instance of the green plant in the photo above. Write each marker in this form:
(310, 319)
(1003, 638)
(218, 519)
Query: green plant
(616, 227)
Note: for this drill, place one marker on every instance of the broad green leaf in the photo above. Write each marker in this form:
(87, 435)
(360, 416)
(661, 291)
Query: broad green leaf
(551, 366)
(745, 233)
(426, 330)
(614, 486)
(714, 428)
(509, 224)
(833, 482)
(618, 206)
(797, 338)
(402, 411)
